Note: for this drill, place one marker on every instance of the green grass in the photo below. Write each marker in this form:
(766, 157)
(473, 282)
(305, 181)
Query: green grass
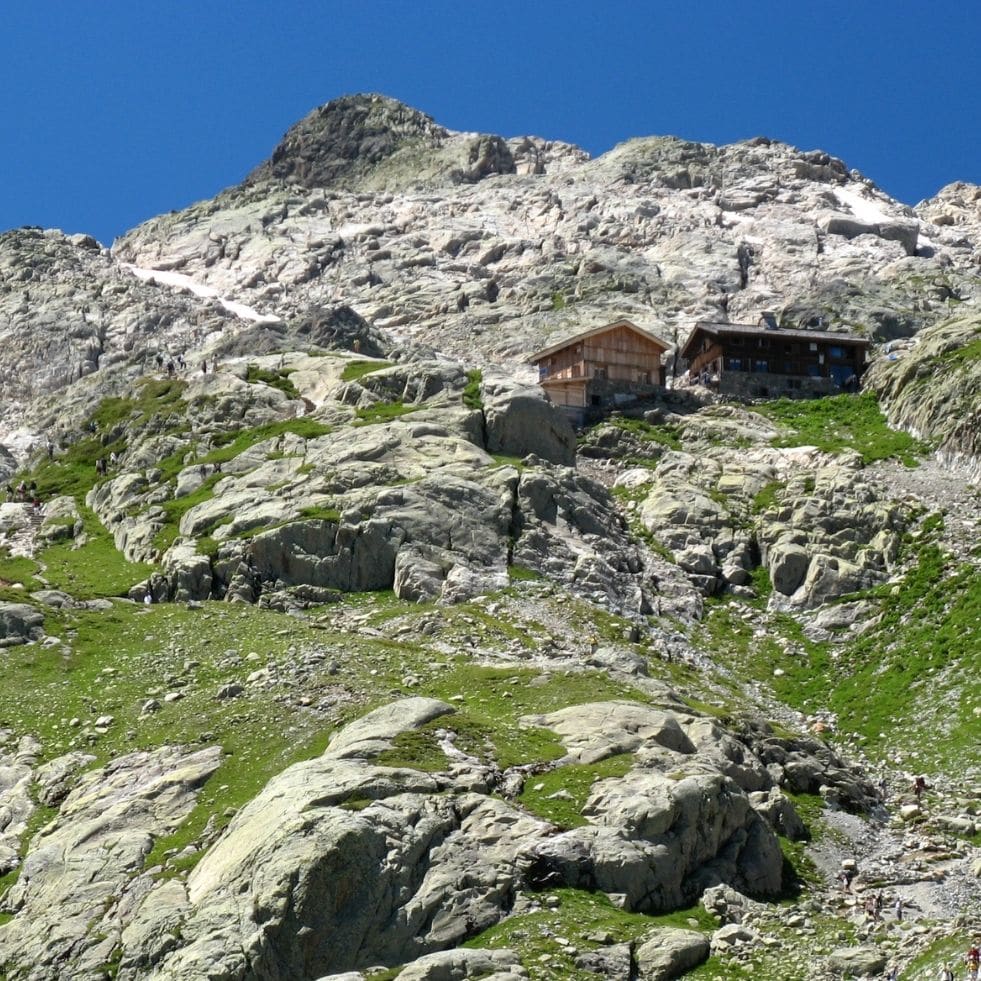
(370, 415)
(519, 573)
(234, 442)
(274, 379)
(768, 497)
(841, 422)
(96, 569)
(176, 507)
(587, 921)
(18, 569)
(666, 436)
(354, 370)
(490, 702)
(111, 662)
(317, 513)
(560, 795)
(907, 681)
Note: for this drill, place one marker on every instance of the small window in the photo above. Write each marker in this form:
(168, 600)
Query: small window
(761, 366)
(813, 345)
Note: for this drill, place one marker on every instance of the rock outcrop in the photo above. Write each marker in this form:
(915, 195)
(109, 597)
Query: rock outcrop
(929, 387)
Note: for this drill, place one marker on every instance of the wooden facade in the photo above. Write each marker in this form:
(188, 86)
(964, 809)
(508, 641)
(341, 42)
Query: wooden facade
(765, 361)
(601, 367)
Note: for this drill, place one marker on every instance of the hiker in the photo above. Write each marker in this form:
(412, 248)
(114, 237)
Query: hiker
(919, 785)
(898, 909)
(160, 360)
(893, 973)
(946, 972)
(973, 959)
(170, 369)
(113, 458)
(50, 447)
(204, 367)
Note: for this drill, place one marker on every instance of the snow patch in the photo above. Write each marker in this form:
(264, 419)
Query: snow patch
(180, 281)
(862, 208)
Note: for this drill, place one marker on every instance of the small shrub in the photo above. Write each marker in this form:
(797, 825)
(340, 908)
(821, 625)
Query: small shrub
(471, 394)
(370, 415)
(274, 379)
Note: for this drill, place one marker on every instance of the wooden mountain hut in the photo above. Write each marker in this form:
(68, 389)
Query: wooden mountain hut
(601, 368)
(766, 361)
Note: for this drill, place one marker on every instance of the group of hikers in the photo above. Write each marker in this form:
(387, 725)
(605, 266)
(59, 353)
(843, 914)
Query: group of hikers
(972, 959)
(178, 363)
(24, 493)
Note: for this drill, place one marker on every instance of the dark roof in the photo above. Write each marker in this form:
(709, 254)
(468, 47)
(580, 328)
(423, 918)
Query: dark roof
(714, 329)
(545, 352)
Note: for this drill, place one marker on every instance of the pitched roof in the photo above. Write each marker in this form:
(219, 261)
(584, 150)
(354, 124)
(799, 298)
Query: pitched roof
(748, 330)
(576, 338)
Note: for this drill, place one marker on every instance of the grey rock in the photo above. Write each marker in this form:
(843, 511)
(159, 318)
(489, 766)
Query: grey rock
(858, 962)
(19, 623)
(461, 965)
(519, 422)
(669, 953)
(80, 863)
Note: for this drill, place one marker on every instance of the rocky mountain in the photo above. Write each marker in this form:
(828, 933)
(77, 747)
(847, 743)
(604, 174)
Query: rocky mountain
(331, 650)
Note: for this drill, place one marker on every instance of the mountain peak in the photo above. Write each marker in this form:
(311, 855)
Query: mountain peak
(341, 140)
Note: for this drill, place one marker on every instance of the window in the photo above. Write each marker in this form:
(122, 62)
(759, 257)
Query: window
(836, 351)
(761, 366)
(600, 372)
(734, 364)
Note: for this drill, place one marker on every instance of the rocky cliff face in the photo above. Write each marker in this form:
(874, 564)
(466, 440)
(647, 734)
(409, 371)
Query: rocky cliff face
(335, 648)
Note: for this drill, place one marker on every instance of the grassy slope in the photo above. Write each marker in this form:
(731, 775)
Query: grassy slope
(111, 662)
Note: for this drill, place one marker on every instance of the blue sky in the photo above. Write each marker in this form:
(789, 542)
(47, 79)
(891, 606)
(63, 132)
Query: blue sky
(113, 111)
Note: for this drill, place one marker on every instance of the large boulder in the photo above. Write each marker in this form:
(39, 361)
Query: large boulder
(462, 964)
(857, 962)
(521, 421)
(669, 953)
(19, 623)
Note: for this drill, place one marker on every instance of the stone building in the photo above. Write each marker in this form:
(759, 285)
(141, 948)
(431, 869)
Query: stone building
(601, 369)
(766, 361)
